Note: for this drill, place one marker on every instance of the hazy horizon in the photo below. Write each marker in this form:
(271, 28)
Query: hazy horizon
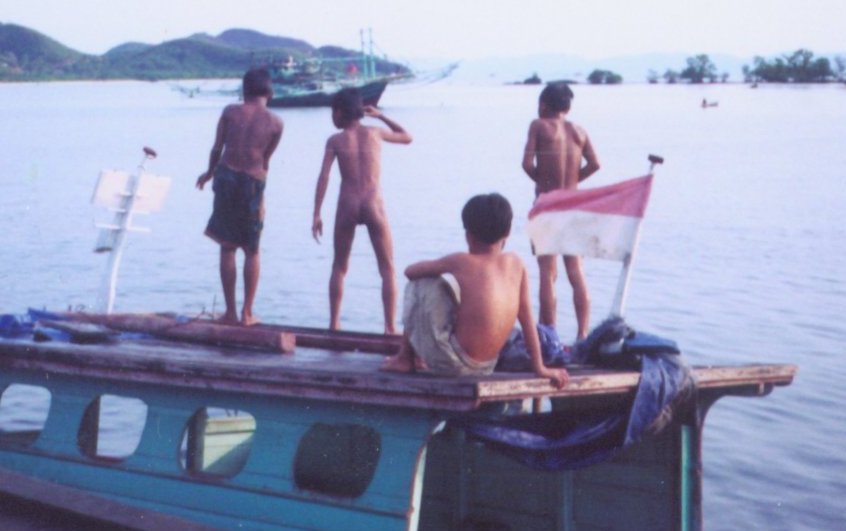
(463, 31)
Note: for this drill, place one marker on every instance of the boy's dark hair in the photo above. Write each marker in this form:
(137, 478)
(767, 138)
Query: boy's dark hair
(349, 104)
(257, 83)
(557, 96)
(487, 217)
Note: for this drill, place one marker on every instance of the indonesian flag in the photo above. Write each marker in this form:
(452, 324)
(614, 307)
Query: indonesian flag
(595, 222)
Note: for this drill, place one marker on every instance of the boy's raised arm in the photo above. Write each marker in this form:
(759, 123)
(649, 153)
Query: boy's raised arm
(430, 268)
(558, 377)
(320, 191)
(396, 135)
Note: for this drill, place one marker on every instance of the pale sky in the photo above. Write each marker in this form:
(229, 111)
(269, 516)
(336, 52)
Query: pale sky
(458, 29)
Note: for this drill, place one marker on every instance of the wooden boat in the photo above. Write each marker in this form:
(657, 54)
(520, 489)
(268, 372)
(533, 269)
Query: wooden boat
(313, 82)
(320, 95)
(273, 427)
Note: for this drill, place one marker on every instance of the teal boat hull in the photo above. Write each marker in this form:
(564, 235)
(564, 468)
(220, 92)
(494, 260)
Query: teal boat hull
(323, 440)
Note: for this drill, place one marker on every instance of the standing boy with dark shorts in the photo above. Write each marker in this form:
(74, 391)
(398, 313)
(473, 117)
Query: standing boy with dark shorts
(247, 135)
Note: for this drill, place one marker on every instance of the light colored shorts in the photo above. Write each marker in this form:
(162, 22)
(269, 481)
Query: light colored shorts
(430, 307)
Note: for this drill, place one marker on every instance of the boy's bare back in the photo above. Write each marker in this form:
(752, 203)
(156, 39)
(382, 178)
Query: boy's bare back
(358, 150)
(494, 296)
(493, 289)
(554, 152)
(250, 134)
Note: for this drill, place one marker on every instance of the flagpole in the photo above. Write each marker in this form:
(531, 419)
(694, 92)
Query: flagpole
(623, 283)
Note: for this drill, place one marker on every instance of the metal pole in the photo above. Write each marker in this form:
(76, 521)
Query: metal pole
(623, 283)
(123, 218)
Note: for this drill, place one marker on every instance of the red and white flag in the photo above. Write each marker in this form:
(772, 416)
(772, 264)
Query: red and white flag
(598, 222)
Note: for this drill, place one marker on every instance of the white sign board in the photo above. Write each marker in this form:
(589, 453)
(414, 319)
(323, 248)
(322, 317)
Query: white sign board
(113, 187)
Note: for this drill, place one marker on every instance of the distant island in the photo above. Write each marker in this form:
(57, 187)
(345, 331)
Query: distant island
(27, 55)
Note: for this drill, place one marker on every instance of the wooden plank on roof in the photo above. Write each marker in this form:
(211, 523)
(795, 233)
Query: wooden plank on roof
(776, 374)
(341, 340)
(330, 375)
(200, 331)
(580, 384)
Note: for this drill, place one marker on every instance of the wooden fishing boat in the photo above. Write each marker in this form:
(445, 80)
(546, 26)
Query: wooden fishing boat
(313, 82)
(273, 427)
(320, 95)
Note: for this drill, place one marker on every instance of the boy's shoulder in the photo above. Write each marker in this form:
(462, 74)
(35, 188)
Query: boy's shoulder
(579, 131)
(513, 259)
(547, 124)
(336, 137)
(275, 118)
(507, 261)
(232, 108)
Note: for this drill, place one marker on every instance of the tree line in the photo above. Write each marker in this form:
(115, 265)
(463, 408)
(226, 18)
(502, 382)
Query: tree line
(798, 67)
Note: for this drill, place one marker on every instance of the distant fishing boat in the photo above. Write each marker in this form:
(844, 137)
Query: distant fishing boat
(314, 81)
(312, 84)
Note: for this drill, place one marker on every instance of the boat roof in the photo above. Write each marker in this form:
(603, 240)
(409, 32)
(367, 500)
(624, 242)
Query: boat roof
(327, 365)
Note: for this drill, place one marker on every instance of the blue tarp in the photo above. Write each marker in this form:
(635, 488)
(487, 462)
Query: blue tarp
(567, 441)
(14, 326)
(36, 324)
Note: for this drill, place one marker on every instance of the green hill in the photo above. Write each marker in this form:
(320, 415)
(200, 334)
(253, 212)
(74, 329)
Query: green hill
(24, 52)
(182, 58)
(253, 40)
(26, 55)
(127, 49)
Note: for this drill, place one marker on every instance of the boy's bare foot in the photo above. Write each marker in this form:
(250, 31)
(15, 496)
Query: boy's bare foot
(402, 362)
(228, 319)
(249, 320)
(397, 363)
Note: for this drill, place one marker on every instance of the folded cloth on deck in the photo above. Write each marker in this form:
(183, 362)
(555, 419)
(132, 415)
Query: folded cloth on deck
(429, 312)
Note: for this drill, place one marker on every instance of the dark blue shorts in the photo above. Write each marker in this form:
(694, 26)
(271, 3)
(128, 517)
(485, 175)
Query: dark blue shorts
(238, 215)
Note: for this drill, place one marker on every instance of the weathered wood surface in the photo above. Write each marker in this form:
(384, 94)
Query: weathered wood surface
(27, 503)
(78, 332)
(327, 374)
(203, 331)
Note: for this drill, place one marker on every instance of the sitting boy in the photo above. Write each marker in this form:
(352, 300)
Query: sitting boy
(462, 333)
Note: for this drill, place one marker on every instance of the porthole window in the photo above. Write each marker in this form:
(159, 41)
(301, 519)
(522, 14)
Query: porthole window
(337, 459)
(23, 413)
(112, 426)
(217, 442)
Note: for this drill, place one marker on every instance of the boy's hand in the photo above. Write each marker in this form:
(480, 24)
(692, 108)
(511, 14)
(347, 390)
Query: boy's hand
(202, 180)
(317, 228)
(371, 111)
(558, 377)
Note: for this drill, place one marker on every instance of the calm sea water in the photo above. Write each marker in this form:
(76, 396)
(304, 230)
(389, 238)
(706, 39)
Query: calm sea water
(741, 255)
